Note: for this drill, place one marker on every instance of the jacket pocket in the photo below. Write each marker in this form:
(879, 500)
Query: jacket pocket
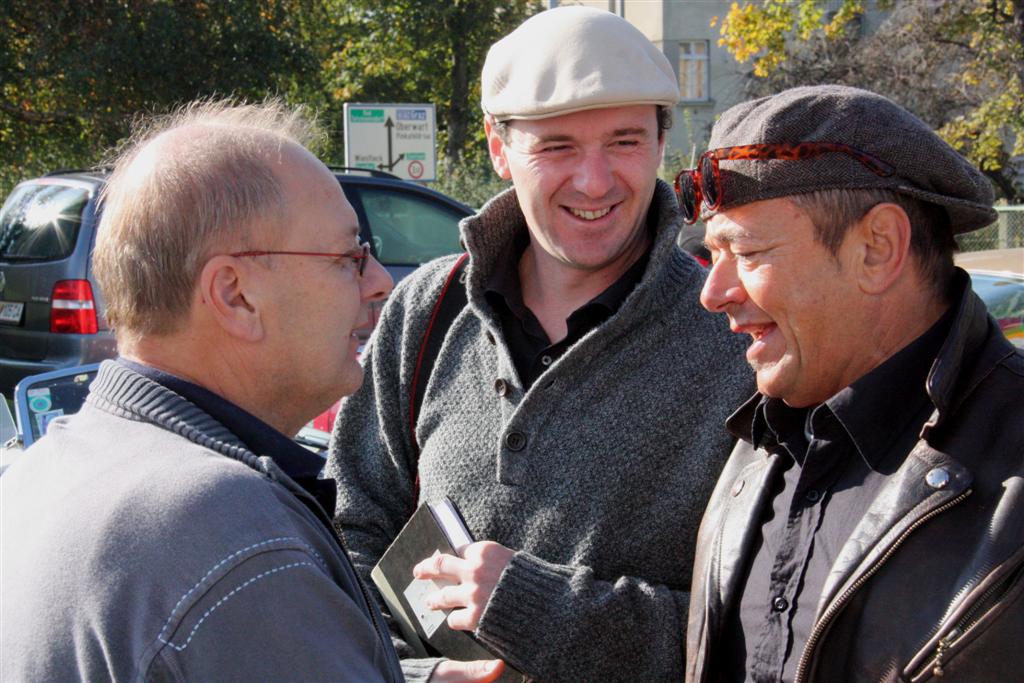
(1000, 589)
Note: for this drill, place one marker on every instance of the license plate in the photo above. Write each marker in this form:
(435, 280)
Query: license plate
(10, 311)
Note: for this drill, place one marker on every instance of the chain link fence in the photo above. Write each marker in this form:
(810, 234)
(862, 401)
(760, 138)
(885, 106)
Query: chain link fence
(1007, 231)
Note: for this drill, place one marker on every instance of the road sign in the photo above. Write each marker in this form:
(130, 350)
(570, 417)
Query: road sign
(397, 138)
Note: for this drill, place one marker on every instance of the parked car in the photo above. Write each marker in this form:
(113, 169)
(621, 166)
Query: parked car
(51, 309)
(997, 276)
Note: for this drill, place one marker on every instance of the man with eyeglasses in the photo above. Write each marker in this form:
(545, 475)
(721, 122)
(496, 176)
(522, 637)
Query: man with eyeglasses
(574, 410)
(172, 530)
(869, 525)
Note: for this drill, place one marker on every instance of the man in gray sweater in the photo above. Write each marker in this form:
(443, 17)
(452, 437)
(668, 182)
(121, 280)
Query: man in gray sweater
(573, 412)
(171, 530)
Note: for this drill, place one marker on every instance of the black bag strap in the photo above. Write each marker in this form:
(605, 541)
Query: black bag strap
(449, 304)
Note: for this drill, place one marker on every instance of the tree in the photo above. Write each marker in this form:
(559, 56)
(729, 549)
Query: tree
(73, 75)
(958, 64)
(430, 50)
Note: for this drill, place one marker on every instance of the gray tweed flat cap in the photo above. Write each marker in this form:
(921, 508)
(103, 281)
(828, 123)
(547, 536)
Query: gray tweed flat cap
(926, 167)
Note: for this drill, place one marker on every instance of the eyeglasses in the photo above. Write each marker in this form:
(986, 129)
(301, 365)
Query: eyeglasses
(360, 255)
(704, 183)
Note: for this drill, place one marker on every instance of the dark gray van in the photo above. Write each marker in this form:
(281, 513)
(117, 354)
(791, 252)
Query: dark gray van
(50, 305)
(51, 309)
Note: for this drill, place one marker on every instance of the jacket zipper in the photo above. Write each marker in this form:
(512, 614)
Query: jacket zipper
(989, 598)
(838, 604)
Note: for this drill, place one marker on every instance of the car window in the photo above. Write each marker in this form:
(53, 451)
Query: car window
(56, 397)
(408, 230)
(1004, 297)
(40, 222)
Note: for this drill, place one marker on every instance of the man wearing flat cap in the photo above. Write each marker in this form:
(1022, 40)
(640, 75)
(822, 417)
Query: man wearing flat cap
(870, 522)
(574, 411)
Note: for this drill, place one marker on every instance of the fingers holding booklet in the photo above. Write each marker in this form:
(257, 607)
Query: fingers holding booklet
(480, 671)
(436, 581)
(467, 582)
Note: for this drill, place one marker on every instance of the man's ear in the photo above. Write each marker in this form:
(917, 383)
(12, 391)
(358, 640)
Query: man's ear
(496, 149)
(226, 292)
(883, 240)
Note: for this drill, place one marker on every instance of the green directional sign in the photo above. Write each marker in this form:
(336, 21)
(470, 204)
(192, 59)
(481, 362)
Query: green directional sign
(366, 115)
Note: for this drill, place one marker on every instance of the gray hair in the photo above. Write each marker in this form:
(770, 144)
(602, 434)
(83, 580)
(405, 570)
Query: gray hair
(165, 209)
(834, 213)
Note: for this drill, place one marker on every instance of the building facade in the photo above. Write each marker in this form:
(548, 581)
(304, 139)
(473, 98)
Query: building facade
(710, 80)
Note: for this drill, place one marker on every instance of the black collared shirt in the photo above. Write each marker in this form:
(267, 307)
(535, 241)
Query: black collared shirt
(531, 349)
(301, 465)
(835, 458)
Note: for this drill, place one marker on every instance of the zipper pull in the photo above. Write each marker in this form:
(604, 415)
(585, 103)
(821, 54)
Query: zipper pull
(940, 651)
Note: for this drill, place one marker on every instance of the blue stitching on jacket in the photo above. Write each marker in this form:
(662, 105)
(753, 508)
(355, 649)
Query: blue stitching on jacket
(160, 636)
(210, 611)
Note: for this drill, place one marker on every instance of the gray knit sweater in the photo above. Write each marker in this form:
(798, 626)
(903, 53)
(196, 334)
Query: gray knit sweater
(622, 441)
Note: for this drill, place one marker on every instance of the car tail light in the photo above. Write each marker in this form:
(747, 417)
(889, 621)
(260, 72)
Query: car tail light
(325, 420)
(72, 308)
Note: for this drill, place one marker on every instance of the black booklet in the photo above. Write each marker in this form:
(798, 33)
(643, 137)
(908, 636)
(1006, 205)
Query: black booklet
(434, 528)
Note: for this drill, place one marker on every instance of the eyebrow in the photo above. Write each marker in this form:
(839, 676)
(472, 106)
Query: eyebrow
(617, 133)
(555, 137)
(726, 234)
(629, 131)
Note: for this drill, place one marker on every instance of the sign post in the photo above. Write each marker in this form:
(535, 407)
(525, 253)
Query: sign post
(397, 138)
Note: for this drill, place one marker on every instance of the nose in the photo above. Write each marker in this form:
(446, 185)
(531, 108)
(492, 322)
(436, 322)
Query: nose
(723, 287)
(376, 283)
(594, 177)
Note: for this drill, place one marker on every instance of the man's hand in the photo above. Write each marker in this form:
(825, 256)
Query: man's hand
(475, 575)
(480, 671)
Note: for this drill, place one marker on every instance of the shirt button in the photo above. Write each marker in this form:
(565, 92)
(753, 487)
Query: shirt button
(780, 604)
(813, 495)
(515, 441)
(500, 387)
(545, 360)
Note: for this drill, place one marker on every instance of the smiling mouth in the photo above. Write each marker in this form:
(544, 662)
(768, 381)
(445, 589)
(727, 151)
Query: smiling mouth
(757, 332)
(589, 215)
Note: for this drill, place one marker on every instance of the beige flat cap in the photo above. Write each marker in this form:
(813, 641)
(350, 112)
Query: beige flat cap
(570, 59)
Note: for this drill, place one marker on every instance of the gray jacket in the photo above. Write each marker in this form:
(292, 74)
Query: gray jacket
(930, 583)
(597, 475)
(142, 541)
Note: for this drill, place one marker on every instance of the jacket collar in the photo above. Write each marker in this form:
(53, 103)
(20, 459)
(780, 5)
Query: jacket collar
(119, 390)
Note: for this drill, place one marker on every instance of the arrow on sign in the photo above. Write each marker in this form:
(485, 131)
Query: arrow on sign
(390, 166)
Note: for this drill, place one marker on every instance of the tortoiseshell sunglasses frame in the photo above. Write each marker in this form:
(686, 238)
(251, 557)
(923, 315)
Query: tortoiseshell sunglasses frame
(698, 178)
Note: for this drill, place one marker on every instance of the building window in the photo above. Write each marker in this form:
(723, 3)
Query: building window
(693, 70)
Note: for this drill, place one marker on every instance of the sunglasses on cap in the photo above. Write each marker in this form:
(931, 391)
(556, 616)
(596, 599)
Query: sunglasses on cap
(704, 183)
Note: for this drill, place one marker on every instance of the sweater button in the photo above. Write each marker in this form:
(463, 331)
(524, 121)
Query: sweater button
(500, 387)
(780, 604)
(515, 441)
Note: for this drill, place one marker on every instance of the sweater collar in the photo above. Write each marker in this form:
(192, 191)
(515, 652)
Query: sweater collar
(490, 237)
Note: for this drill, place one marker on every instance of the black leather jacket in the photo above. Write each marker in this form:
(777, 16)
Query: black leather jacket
(930, 582)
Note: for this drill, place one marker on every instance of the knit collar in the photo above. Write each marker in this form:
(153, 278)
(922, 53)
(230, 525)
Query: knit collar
(490, 236)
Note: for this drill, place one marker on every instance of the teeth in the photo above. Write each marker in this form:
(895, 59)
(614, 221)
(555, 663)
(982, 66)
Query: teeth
(590, 215)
